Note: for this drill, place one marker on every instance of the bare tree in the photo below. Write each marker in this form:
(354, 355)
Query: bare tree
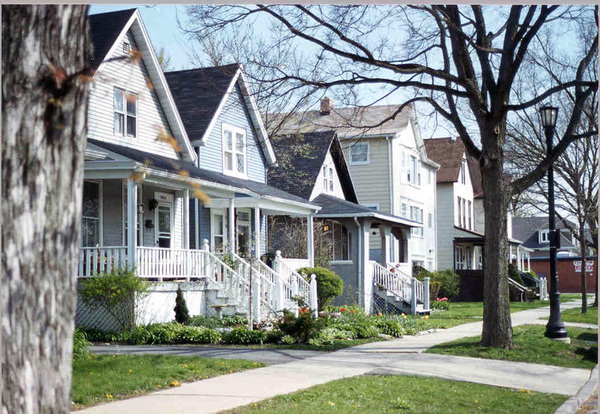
(45, 51)
(466, 63)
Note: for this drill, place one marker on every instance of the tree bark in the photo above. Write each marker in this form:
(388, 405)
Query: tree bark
(497, 325)
(583, 264)
(44, 115)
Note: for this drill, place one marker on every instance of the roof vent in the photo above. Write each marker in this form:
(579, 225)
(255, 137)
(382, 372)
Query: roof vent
(126, 47)
(326, 105)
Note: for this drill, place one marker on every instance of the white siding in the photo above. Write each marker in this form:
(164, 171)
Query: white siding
(132, 77)
(337, 187)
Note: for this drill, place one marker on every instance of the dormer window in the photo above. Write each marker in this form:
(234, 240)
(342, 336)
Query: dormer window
(234, 151)
(328, 179)
(359, 153)
(125, 113)
(463, 171)
(543, 234)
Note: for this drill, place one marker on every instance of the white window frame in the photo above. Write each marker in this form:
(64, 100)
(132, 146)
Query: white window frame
(100, 217)
(470, 214)
(333, 224)
(234, 153)
(353, 147)
(213, 213)
(374, 206)
(544, 236)
(463, 171)
(244, 223)
(125, 114)
(412, 170)
(430, 220)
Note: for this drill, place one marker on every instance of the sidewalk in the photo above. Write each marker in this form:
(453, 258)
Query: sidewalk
(398, 357)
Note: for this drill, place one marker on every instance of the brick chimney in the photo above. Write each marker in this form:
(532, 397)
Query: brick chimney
(326, 105)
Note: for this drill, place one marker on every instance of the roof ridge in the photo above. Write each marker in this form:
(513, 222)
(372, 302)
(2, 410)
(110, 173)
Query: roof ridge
(204, 68)
(133, 9)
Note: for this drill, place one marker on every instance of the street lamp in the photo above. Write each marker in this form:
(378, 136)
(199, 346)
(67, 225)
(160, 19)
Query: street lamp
(555, 328)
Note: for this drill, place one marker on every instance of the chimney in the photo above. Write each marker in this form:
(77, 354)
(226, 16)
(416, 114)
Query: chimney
(326, 105)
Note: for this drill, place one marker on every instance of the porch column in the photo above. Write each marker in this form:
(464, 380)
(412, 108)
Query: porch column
(310, 240)
(366, 284)
(528, 262)
(257, 232)
(509, 253)
(140, 216)
(385, 231)
(186, 219)
(232, 244)
(519, 263)
(131, 220)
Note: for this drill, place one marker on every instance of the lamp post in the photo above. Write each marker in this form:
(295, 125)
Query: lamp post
(555, 328)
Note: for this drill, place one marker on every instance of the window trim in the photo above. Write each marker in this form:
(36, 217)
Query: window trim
(233, 172)
(543, 239)
(354, 145)
(375, 206)
(126, 93)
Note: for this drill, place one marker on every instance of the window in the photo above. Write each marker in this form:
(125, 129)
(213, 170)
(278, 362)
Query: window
(328, 179)
(429, 177)
(412, 170)
(374, 206)
(458, 211)
(234, 151)
(463, 213)
(331, 179)
(544, 236)
(359, 153)
(459, 257)
(469, 221)
(243, 231)
(429, 220)
(325, 178)
(338, 237)
(125, 113)
(404, 210)
(416, 214)
(463, 171)
(90, 222)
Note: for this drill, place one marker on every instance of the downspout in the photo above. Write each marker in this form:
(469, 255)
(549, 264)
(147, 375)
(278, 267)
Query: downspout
(359, 253)
(391, 169)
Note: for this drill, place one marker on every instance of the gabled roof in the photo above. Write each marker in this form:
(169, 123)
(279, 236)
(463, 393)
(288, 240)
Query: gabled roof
(107, 29)
(526, 229)
(448, 153)
(348, 122)
(301, 158)
(201, 94)
(166, 164)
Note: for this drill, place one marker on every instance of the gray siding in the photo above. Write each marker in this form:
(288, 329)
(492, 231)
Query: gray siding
(349, 271)
(235, 114)
(132, 77)
(112, 212)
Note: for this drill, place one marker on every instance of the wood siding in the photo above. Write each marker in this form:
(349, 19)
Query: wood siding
(112, 212)
(131, 77)
(234, 113)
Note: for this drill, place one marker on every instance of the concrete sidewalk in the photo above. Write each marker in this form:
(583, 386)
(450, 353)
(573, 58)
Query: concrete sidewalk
(397, 357)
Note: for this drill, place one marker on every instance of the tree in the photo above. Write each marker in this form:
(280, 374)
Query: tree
(164, 60)
(464, 62)
(182, 314)
(45, 50)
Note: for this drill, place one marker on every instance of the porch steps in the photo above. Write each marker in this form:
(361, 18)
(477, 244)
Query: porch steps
(393, 292)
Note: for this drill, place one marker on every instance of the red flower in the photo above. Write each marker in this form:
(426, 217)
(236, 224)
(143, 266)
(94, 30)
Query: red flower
(352, 311)
(342, 309)
(444, 299)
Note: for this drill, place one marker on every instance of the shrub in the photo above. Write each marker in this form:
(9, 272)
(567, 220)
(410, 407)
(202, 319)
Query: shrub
(182, 314)
(288, 339)
(449, 283)
(360, 330)
(273, 336)
(390, 327)
(97, 335)
(197, 335)
(329, 285)
(303, 327)
(243, 335)
(168, 333)
(208, 322)
(513, 273)
(116, 293)
(81, 346)
(235, 320)
(532, 273)
(328, 335)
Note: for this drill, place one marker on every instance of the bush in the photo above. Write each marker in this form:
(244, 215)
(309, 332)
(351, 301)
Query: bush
(303, 327)
(513, 273)
(197, 335)
(208, 322)
(169, 333)
(329, 285)
(273, 336)
(243, 335)
(182, 314)
(235, 320)
(328, 335)
(449, 283)
(81, 346)
(97, 335)
(116, 293)
(390, 327)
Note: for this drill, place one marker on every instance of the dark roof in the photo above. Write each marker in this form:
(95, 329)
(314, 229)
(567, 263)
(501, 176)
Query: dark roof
(198, 93)
(526, 229)
(104, 29)
(333, 206)
(167, 164)
(301, 156)
(448, 153)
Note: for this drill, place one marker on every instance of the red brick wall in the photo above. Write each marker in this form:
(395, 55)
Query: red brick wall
(568, 280)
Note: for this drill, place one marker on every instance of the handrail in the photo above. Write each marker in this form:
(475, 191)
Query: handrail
(392, 282)
(164, 263)
(289, 274)
(97, 260)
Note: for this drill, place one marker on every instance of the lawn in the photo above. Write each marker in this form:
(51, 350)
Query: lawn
(530, 345)
(466, 312)
(575, 315)
(384, 394)
(105, 378)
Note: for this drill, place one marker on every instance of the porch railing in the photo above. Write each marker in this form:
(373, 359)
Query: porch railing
(97, 260)
(397, 282)
(161, 263)
(291, 276)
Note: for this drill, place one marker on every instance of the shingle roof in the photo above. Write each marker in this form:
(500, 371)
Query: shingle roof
(526, 229)
(104, 30)
(198, 93)
(348, 122)
(167, 164)
(448, 153)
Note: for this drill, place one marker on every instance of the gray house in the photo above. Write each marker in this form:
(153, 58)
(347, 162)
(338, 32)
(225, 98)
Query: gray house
(317, 171)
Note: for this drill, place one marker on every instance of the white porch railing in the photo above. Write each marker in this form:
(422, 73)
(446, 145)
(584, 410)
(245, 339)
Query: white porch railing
(300, 287)
(97, 260)
(233, 282)
(295, 264)
(398, 283)
(161, 263)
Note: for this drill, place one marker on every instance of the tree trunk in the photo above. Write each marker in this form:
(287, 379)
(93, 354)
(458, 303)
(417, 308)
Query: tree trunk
(43, 131)
(583, 264)
(497, 325)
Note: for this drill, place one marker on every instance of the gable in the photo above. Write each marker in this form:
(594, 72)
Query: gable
(327, 178)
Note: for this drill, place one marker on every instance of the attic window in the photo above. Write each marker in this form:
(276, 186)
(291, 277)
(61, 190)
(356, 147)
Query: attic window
(234, 151)
(359, 153)
(126, 47)
(544, 236)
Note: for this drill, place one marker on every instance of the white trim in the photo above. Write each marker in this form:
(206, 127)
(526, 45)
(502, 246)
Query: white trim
(213, 121)
(213, 213)
(340, 262)
(125, 135)
(234, 152)
(373, 206)
(157, 232)
(368, 161)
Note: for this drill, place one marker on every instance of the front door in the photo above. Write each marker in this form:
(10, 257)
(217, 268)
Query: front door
(218, 225)
(243, 231)
(164, 220)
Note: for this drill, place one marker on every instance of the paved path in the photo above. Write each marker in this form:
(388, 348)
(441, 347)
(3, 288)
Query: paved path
(400, 357)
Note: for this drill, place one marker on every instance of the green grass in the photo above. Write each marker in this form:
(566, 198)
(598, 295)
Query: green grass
(385, 394)
(105, 378)
(575, 315)
(466, 312)
(530, 345)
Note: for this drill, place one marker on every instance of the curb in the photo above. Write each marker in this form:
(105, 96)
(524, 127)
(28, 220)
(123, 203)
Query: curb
(576, 401)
